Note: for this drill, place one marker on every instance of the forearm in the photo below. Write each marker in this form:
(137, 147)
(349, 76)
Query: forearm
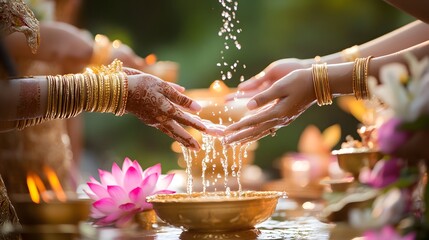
(31, 100)
(341, 74)
(23, 98)
(402, 38)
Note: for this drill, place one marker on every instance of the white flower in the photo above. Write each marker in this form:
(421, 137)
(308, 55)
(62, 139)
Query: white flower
(386, 209)
(408, 101)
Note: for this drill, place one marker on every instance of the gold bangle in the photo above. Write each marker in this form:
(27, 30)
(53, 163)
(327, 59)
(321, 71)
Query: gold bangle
(321, 84)
(114, 93)
(66, 96)
(21, 124)
(360, 78)
(100, 80)
(107, 89)
(106, 92)
(350, 54)
(124, 94)
(89, 93)
(82, 92)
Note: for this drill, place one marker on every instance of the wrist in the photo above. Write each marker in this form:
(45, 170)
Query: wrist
(340, 78)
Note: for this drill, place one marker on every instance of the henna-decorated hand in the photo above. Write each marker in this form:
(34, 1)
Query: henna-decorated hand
(159, 104)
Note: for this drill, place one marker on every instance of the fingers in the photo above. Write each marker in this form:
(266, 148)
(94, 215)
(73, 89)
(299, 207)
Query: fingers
(264, 115)
(214, 129)
(269, 95)
(252, 83)
(177, 87)
(179, 134)
(253, 133)
(178, 98)
(188, 119)
(241, 94)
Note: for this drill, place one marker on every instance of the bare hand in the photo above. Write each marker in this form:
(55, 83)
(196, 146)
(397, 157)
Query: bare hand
(158, 104)
(263, 80)
(278, 106)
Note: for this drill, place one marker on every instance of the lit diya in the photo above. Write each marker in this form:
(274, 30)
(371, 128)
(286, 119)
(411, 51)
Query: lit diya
(215, 211)
(49, 207)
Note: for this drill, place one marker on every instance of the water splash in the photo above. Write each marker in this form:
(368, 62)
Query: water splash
(187, 155)
(229, 31)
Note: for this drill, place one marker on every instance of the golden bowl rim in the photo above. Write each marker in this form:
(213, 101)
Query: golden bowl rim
(183, 198)
(354, 151)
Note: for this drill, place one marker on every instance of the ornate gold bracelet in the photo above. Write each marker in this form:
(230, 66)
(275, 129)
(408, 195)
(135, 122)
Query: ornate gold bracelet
(360, 78)
(321, 84)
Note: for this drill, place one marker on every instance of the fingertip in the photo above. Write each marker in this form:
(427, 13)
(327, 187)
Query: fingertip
(252, 104)
(180, 88)
(215, 131)
(230, 97)
(195, 106)
(194, 145)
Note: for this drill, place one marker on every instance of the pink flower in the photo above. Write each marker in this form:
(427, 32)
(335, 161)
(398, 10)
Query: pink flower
(390, 137)
(122, 193)
(387, 233)
(384, 173)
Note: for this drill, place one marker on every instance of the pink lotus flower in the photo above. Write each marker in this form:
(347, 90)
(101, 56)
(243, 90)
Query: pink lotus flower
(122, 193)
(387, 233)
(390, 137)
(384, 173)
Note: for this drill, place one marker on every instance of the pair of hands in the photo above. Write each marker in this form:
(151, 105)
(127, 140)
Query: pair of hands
(280, 94)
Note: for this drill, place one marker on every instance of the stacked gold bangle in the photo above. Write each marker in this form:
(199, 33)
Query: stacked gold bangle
(21, 124)
(350, 54)
(106, 89)
(101, 89)
(321, 84)
(360, 78)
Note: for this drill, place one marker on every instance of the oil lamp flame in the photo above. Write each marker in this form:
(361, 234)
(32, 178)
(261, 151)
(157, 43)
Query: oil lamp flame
(55, 184)
(32, 188)
(38, 190)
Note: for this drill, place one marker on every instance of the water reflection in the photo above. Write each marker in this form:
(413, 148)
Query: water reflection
(249, 234)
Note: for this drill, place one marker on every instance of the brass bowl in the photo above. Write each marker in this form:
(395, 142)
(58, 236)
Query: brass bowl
(214, 211)
(72, 211)
(352, 160)
(338, 185)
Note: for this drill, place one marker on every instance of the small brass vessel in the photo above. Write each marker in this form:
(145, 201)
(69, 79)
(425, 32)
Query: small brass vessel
(72, 211)
(215, 211)
(352, 160)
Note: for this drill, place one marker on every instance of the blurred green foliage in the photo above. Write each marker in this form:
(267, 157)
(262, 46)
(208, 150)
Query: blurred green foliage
(186, 31)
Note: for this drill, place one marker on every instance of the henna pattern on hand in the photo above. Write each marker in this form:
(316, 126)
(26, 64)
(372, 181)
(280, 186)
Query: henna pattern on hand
(29, 100)
(151, 100)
